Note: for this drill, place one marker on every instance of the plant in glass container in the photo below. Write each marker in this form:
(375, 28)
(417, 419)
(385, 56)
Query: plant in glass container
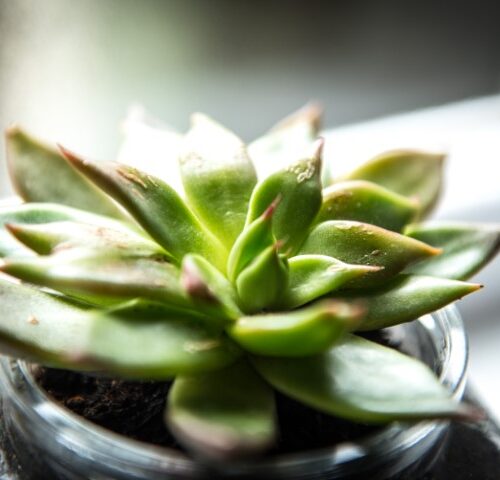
(235, 286)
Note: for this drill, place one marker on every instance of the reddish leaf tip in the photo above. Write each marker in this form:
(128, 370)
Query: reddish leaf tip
(317, 147)
(194, 285)
(269, 211)
(13, 130)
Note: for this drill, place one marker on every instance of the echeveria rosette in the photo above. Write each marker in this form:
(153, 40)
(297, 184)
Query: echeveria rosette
(237, 283)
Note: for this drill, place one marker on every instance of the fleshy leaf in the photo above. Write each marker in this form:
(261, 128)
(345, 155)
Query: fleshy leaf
(97, 277)
(227, 413)
(261, 283)
(362, 381)
(36, 213)
(40, 327)
(367, 202)
(205, 284)
(151, 146)
(312, 276)
(299, 333)
(299, 189)
(288, 141)
(156, 206)
(40, 173)
(218, 177)
(47, 238)
(364, 244)
(254, 239)
(412, 173)
(466, 248)
(406, 298)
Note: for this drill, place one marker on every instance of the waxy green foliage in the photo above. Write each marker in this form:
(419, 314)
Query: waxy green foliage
(255, 275)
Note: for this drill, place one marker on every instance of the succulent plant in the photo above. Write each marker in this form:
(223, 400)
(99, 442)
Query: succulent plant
(234, 285)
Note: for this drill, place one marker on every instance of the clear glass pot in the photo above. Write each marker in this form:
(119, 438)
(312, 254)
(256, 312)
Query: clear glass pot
(54, 443)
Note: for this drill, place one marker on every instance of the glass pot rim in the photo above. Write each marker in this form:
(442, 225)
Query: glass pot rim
(99, 444)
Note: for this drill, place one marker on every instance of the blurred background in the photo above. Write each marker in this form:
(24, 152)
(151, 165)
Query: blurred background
(69, 70)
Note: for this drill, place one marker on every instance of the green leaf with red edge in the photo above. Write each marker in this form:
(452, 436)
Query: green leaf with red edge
(362, 381)
(223, 414)
(44, 329)
(157, 208)
(40, 173)
(364, 244)
(412, 173)
(466, 248)
(218, 177)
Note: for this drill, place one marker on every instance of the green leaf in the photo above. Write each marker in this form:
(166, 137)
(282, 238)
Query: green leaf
(40, 173)
(412, 173)
(368, 203)
(227, 413)
(254, 239)
(406, 298)
(151, 146)
(261, 283)
(363, 382)
(99, 277)
(35, 213)
(205, 284)
(156, 206)
(466, 248)
(157, 348)
(312, 276)
(299, 333)
(364, 244)
(218, 177)
(44, 329)
(299, 190)
(288, 141)
(47, 238)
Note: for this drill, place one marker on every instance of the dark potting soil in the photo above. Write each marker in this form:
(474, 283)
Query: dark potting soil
(135, 409)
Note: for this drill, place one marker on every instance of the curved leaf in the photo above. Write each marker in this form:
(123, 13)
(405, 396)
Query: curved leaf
(205, 284)
(35, 213)
(151, 146)
(406, 298)
(40, 173)
(262, 282)
(466, 248)
(227, 413)
(156, 206)
(46, 238)
(363, 382)
(412, 173)
(254, 239)
(218, 177)
(38, 326)
(299, 190)
(288, 141)
(312, 276)
(364, 244)
(367, 202)
(299, 333)
(100, 277)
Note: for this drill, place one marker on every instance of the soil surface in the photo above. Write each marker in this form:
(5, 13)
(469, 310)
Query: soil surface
(135, 409)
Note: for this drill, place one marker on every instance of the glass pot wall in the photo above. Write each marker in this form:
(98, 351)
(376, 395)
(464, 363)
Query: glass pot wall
(54, 443)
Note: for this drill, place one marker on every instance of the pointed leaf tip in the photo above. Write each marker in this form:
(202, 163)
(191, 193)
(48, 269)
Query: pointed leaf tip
(194, 285)
(310, 114)
(317, 148)
(40, 173)
(362, 381)
(299, 333)
(269, 211)
(157, 207)
(466, 248)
